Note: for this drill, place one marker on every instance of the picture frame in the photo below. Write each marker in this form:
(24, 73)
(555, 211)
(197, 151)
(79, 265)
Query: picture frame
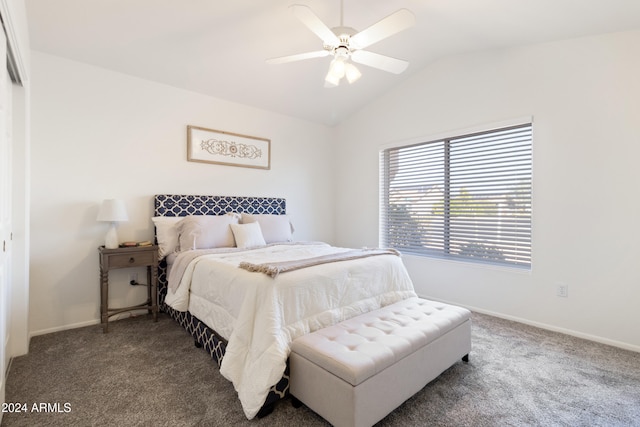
(227, 148)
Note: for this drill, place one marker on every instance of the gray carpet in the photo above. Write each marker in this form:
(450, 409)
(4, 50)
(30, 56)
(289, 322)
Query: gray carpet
(149, 374)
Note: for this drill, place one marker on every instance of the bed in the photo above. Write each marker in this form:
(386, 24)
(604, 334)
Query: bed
(245, 301)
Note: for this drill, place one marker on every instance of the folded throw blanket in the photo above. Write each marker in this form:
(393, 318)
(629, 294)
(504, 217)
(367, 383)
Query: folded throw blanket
(274, 268)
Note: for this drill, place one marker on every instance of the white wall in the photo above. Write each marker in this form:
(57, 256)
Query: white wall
(99, 134)
(584, 96)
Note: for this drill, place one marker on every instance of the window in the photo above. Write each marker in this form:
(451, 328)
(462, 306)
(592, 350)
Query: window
(465, 198)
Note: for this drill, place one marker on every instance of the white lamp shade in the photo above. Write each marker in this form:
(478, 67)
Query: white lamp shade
(112, 210)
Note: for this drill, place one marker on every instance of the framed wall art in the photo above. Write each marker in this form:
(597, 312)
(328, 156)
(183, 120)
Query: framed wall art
(226, 148)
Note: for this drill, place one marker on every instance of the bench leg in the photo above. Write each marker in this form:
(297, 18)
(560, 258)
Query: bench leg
(465, 358)
(295, 402)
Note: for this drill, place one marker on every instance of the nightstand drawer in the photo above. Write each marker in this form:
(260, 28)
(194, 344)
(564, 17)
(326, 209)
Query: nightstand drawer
(131, 260)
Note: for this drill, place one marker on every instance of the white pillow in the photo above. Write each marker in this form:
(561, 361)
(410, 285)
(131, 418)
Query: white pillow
(206, 231)
(248, 235)
(275, 228)
(166, 233)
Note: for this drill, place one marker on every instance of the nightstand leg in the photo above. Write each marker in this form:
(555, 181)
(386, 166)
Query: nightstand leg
(104, 300)
(149, 289)
(153, 286)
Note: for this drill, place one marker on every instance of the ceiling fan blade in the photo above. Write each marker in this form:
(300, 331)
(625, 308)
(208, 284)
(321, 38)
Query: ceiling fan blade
(392, 24)
(382, 62)
(298, 57)
(311, 20)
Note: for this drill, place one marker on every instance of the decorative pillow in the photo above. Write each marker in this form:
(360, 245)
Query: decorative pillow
(166, 233)
(275, 228)
(206, 231)
(248, 235)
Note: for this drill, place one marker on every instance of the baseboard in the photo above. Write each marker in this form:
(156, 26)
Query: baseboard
(594, 338)
(113, 318)
(64, 328)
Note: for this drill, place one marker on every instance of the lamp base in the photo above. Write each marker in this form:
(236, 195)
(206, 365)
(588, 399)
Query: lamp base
(111, 239)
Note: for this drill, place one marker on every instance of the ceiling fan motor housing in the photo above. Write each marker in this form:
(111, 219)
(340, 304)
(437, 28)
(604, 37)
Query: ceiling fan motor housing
(343, 49)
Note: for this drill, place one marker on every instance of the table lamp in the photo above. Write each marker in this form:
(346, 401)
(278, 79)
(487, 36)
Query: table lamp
(112, 210)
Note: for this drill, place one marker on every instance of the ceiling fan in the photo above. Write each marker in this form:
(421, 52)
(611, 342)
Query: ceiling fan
(345, 43)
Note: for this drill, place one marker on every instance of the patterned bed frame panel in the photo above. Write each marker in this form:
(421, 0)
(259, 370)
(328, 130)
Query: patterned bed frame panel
(183, 205)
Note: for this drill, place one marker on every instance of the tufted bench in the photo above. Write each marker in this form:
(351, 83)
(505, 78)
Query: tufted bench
(356, 372)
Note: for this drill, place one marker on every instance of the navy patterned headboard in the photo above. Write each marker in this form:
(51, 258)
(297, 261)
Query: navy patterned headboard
(183, 205)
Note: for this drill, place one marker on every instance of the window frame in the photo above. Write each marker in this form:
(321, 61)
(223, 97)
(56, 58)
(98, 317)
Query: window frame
(519, 243)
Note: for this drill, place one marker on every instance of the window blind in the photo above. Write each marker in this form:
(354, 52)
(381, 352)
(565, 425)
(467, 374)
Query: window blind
(466, 197)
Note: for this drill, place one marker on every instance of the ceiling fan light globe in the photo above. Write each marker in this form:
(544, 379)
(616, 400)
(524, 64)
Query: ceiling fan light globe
(331, 80)
(337, 68)
(352, 73)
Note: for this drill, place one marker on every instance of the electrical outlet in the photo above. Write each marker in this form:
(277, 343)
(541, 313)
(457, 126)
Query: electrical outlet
(562, 290)
(133, 278)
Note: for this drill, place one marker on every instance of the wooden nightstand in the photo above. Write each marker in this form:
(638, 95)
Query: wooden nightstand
(140, 256)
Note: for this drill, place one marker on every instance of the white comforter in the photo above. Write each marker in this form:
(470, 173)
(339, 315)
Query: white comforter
(260, 316)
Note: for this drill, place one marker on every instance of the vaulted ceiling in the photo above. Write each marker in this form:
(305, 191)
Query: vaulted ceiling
(219, 48)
